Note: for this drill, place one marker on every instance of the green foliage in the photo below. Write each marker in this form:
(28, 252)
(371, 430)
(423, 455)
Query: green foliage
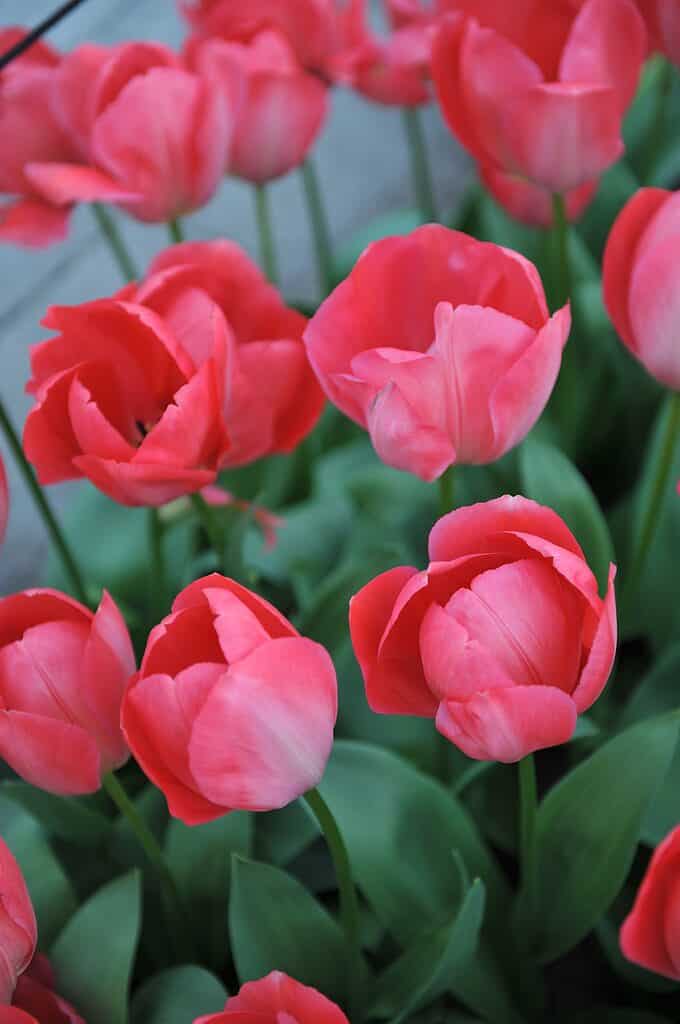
(177, 996)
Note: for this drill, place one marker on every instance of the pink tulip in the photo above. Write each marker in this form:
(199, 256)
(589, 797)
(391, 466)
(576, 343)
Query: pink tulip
(63, 670)
(529, 203)
(152, 136)
(35, 995)
(503, 639)
(18, 928)
(280, 107)
(232, 709)
(277, 999)
(641, 281)
(441, 346)
(649, 935)
(539, 90)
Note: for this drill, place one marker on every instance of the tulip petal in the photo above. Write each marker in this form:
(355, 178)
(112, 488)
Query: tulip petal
(196, 596)
(18, 927)
(49, 442)
(63, 184)
(142, 484)
(184, 637)
(403, 441)
(33, 223)
(107, 665)
(602, 653)
(238, 629)
(643, 936)
(50, 754)
(654, 307)
(507, 723)
(529, 203)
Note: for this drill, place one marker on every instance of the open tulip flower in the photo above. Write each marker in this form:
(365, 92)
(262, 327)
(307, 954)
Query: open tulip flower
(277, 999)
(454, 365)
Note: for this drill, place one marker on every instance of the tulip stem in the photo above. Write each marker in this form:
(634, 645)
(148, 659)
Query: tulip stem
(158, 584)
(563, 266)
(204, 514)
(266, 234)
(349, 903)
(655, 139)
(175, 231)
(446, 491)
(320, 229)
(659, 482)
(154, 854)
(420, 165)
(527, 819)
(38, 494)
(109, 229)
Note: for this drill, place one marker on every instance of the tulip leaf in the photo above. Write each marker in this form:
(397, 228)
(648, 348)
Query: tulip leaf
(177, 996)
(200, 860)
(587, 830)
(276, 924)
(94, 955)
(69, 818)
(550, 477)
(401, 828)
(430, 967)
(281, 835)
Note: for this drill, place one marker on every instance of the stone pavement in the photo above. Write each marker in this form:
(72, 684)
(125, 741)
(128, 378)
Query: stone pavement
(363, 166)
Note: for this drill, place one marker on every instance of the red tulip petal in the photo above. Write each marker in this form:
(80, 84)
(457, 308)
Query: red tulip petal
(602, 653)
(52, 755)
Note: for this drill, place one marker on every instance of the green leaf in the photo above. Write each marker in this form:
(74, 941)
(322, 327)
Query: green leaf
(401, 828)
(178, 995)
(200, 859)
(587, 829)
(69, 818)
(550, 478)
(94, 955)
(281, 835)
(657, 691)
(431, 966)
(275, 924)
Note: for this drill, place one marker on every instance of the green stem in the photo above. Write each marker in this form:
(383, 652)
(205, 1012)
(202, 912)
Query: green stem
(158, 584)
(53, 528)
(563, 266)
(211, 527)
(265, 232)
(420, 166)
(349, 903)
(659, 483)
(655, 139)
(320, 229)
(527, 818)
(175, 231)
(446, 491)
(109, 229)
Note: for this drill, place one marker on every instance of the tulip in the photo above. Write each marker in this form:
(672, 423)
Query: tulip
(31, 132)
(232, 709)
(539, 90)
(640, 280)
(271, 399)
(663, 23)
(530, 204)
(280, 107)
(4, 501)
(153, 136)
(128, 401)
(453, 364)
(277, 999)
(649, 935)
(63, 670)
(503, 639)
(18, 928)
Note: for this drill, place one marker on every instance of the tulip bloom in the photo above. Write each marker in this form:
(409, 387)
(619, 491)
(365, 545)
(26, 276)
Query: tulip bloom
(271, 398)
(530, 204)
(503, 639)
(663, 23)
(63, 671)
(4, 501)
(18, 928)
(649, 935)
(441, 346)
(232, 709)
(539, 90)
(129, 401)
(277, 999)
(153, 137)
(640, 280)
(31, 132)
(280, 108)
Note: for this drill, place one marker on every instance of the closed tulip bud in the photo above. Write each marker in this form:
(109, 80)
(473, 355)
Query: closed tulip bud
(18, 928)
(277, 999)
(650, 935)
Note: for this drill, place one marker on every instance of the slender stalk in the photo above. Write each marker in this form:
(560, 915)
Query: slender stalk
(527, 818)
(175, 231)
(657, 130)
(446, 491)
(349, 903)
(211, 527)
(158, 583)
(420, 165)
(659, 483)
(320, 229)
(38, 495)
(266, 234)
(563, 266)
(109, 229)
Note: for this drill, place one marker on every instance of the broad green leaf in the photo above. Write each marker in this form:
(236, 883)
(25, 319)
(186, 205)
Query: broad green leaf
(178, 995)
(401, 828)
(281, 835)
(587, 830)
(200, 859)
(549, 477)
(276, 924)
(430, 967)
(657, 691)
(70, 818)
(94, 955)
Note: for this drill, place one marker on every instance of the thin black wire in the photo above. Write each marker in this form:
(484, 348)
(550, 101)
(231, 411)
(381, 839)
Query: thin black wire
(35, 34)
